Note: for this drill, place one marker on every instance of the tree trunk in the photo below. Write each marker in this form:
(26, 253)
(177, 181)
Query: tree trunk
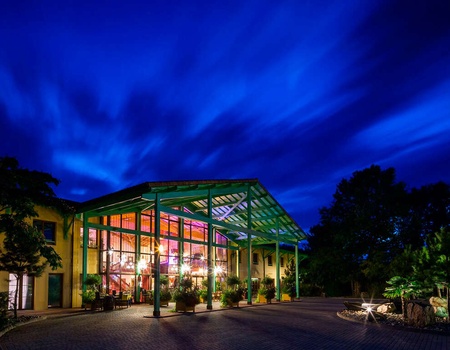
(16, 293)
(405, 316)
(448, 305)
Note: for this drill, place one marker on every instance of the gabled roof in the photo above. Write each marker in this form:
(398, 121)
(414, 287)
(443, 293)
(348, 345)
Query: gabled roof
(229, 207)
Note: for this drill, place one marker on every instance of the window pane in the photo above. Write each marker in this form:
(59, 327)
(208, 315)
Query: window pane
(198, 233)
(49, 231)
(221, 254)
(146, 244)
(114, 220)
(173, 227)
(92, 240)
(129, 221)
(115, 240)
(145, 223)
(127, 263)
(128, 242)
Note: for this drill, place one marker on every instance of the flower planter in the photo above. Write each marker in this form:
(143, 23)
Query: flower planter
(286, 297)
(181, 306)
(262, 299)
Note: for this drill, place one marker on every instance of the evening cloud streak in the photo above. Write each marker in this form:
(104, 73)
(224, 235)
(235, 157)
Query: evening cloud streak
(107, 95)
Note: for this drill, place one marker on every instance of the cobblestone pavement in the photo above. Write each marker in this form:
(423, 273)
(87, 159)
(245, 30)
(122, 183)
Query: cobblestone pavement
(308, 324)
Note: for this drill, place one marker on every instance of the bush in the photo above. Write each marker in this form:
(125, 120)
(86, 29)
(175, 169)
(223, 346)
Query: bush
(91, 282)
(233, 281)
(230, 296)
(186, 293)
(267, 281)
(203, 293)
(267, 292)
(4, 320)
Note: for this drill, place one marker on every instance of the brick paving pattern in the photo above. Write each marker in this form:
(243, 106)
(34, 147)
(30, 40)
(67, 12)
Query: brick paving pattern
(309, 324)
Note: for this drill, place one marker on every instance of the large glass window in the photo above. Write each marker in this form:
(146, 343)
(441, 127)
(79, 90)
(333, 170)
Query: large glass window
(126, 259)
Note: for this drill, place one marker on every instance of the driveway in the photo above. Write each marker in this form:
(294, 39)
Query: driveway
(309, 324)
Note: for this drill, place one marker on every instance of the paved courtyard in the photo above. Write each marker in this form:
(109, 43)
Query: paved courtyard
(309, 324)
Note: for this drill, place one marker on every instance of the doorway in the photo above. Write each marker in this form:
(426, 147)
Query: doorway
(55, 290)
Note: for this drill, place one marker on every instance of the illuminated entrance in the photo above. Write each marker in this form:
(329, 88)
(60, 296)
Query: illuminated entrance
(175, 228)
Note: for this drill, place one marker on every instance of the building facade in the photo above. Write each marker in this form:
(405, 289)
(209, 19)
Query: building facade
(205, 229)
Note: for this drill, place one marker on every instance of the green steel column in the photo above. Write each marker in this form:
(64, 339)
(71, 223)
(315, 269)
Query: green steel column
(213, 259)
(181, 246)
(211, 281)
(85, 249)
(249, 246)
(138, 257)
(108, 256)
(297, 281)
(157, 287)
(238, 274)
(277, 261)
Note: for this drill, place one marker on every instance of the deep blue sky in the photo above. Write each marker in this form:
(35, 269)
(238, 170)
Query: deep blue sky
(300, 94)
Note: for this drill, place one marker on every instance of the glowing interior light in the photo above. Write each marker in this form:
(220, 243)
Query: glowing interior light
(218, 269)
(369, 309)
(161, 249)
(185, 268)
(141, 265)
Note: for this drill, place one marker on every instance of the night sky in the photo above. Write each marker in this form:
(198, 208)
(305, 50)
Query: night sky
(299, 94)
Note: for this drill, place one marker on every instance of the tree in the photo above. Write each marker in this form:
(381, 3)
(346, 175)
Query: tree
(24, 248)
(360, 229)
(432, 263)
(429, 212)
(289, 280)
(21, 189)
(403, 288)
(25, 252)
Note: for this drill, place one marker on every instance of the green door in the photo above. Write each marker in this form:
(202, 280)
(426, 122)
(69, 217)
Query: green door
(55, 290)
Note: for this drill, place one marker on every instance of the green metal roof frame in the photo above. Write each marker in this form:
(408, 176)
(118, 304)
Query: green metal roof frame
(230, 209)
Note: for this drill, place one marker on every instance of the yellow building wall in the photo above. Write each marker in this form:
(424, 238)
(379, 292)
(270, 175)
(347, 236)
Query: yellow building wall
(261, 269)
(63, 246)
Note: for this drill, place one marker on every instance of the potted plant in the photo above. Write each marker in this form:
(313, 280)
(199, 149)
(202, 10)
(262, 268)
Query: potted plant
(88, 297)
(267, 290)
(233, 294)
(288, 285)
(203, 295)
(288, 292)
(186, 296)
(165, 296)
